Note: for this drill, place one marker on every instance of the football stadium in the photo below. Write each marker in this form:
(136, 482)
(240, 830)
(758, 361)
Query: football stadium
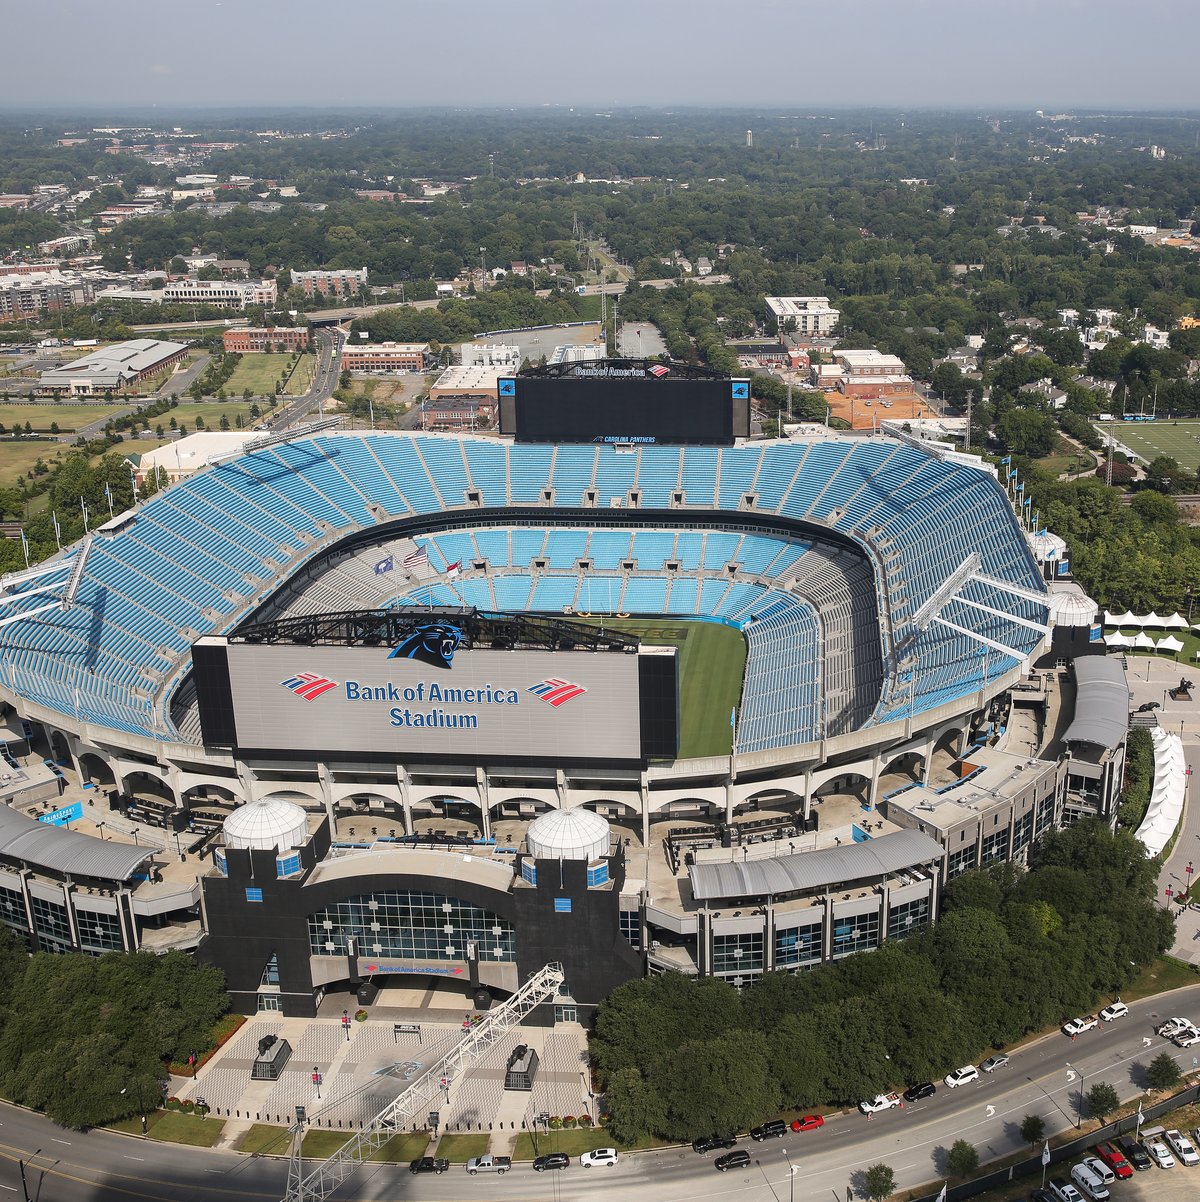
(353, 710)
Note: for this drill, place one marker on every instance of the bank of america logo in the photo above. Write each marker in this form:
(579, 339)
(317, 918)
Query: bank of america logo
(309, 685)
(660, 371)
(556, 692)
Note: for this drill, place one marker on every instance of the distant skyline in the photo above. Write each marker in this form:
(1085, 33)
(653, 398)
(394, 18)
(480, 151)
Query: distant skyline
(1013, 54)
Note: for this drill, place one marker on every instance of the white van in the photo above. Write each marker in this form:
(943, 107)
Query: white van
(1089, 1183)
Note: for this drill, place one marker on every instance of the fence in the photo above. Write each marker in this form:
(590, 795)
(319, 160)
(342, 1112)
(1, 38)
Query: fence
(1033, 1163)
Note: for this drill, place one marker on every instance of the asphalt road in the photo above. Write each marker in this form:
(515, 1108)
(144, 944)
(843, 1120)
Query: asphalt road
(325, 378)
(102, 1167)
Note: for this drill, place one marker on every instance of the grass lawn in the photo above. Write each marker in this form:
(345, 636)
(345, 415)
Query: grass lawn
(259, 373)
(318, 1144)
(712, 661)
(571, 1142)
(1165, 973)
(174, 1127)
(17, 457)
(69, 416)
(301, 377)
(211, 411)
(400, 1149)
(458, 1149)
(1178, 439)
(263, 1137)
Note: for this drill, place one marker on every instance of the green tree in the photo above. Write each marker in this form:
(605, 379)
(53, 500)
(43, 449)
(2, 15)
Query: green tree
(1101, 1100)
(637, 1109)
(1163, 1072)
(1033, 1129)
(879, 1182)
(963, 1159)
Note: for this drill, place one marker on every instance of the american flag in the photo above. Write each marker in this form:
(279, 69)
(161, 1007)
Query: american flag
(416, 559)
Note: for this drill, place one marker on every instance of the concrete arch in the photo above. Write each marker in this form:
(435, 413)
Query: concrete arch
(209, 794)
(144, 782)
(522, 806)
(846, 780)
(301, 792)
(95, 768)
(772, 798)
(60, 747)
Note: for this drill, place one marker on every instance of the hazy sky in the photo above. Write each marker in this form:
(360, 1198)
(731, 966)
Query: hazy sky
(810, 53)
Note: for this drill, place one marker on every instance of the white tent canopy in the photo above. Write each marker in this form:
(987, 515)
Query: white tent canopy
(1166, 799)
(1118, 640)
(1170, 643)
(1143, 641)
(1125, 619)
(1176, 622)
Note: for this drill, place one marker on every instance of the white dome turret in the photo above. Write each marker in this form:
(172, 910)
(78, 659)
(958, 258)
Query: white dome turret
(569, 835)
(272, 822)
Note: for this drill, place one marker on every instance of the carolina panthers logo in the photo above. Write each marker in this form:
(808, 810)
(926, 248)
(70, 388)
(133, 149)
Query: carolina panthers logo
(434, 644)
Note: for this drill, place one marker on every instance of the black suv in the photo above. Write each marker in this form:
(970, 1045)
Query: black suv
(713, 1142)
(914, 1093)
(1135, 1153)
(771, 1129)
(732, 1160)
(429, 1164)
(555, 1160)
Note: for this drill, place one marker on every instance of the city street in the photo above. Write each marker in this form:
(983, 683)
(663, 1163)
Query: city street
(1046, 1078)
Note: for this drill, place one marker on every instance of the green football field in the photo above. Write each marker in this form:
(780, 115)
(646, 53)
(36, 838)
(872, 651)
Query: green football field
(1179, 440)
(712, 661)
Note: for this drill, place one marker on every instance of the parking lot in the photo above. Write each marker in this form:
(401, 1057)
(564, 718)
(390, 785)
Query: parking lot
(1159, 1185)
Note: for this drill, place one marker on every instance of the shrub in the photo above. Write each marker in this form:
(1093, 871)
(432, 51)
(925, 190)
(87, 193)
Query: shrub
(555, 1123)
(568, 1121)
(174, 1104)
(585, 1120)
(360, 1016)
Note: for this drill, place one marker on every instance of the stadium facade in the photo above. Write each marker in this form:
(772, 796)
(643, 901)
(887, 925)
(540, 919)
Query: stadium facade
(890, 606)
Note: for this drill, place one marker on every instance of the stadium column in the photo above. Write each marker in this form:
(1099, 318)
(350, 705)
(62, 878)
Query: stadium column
(485, 817)
(807, 793)
(876, 773)
(402, 782)
(644, 789)
(729, 802)
(325, 777)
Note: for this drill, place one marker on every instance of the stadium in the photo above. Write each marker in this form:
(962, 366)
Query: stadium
(693, 699)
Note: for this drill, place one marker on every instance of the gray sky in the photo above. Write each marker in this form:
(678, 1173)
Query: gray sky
(807, 53)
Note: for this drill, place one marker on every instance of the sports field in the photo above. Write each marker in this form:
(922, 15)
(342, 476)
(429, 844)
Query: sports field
(712, 661)
(1179, 440)
(260, 373)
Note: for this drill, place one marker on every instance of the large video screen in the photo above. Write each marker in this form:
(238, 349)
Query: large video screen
(624, 409)
(475, 705)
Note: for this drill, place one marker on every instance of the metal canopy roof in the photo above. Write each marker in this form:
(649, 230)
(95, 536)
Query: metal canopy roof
(1101, 702)
(41, 845)
(810, 870)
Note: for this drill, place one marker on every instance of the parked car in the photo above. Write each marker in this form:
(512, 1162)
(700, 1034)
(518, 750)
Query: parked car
(1160, 1154)
(598, 1157)
(732, 1160)
(1115, 1159)
(810, 1122)
(712, 1142)
(992, 1063)
(883, 1101)
(1089, 1184)
(1135, 1153)
(1188, 1037)
(1077, 1026)
(771, 1129)
(489, 1164)
(429, 1164)
(1116, 1009)
(914, 1093)
(1097, 1166)
(1064, 1191)
(1182, 1147)
(553, 1160)
(961, 1076)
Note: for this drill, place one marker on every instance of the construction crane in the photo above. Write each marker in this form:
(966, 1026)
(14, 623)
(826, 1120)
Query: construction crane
(476, 1042)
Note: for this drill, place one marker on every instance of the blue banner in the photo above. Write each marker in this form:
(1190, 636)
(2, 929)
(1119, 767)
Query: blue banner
(66, 815)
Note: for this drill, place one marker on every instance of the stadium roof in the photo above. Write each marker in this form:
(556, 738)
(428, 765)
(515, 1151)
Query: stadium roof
(1101, 702)
(810, 870)
(41, 845)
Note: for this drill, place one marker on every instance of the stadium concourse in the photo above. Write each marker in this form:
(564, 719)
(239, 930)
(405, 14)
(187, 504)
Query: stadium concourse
(888, 599)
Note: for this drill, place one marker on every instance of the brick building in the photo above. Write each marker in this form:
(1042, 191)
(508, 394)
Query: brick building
(457, 413)
(385, 356)
(331, 281)
(258, 338)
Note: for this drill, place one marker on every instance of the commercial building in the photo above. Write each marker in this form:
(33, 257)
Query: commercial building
(258, 338)
(489, 354)
(871, 373)
(812, 315)
(113, 368)
(390, 357)
(469, 381)
(457, 413)
(186, 456)
(331, 281)
(220, 294)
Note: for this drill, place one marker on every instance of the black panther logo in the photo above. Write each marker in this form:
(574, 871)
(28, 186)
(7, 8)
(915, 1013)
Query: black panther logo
(434, 644)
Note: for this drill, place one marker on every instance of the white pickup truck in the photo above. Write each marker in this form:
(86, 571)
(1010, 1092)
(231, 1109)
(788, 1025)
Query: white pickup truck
(1077, 1026)
(883, 1101)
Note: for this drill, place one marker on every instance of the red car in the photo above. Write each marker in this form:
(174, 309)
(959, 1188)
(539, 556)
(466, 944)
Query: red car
(810, 1122)
(1111, 1155)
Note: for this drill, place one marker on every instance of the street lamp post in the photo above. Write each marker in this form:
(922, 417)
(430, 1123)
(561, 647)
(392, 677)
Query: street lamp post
(1079, 1108)
(22, 1164)
(791, 1176)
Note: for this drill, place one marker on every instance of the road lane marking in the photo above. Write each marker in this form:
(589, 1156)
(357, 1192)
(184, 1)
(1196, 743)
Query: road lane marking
(141, 1158)
(61, 1141)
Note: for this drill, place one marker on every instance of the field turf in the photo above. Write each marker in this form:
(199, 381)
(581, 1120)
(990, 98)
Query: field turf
(1179, 440)
(712, 661)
